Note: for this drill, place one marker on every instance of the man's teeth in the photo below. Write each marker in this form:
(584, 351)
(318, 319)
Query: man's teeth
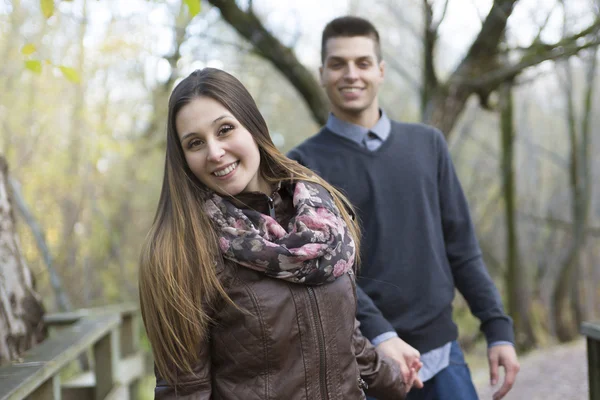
(227, 170)
(350, 90)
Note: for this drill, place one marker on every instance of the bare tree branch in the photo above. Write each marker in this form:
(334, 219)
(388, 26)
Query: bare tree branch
(397, 66)
(436, 25)
(62, 299)
(430, 34)
(400, 17)
(559, 223)
(553, 156)
(283, 58)
(538, 37)
(539, 53)
(491, 31)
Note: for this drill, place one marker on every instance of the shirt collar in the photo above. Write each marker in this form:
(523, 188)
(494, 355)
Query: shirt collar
(357, 133)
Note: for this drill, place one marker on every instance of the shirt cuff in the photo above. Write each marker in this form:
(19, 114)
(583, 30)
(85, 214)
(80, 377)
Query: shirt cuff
(377, 340)
(498, 343)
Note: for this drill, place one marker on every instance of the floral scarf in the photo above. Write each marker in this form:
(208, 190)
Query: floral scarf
(315, 248)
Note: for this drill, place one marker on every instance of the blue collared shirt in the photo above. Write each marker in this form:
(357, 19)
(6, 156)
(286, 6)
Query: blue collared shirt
(369, 138)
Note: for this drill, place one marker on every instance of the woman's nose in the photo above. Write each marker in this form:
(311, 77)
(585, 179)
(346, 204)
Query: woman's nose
(215, 151)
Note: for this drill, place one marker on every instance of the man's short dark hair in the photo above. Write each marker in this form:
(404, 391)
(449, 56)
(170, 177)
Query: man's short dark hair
(350, 26)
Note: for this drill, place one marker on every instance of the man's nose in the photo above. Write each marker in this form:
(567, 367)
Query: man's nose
(351, 72)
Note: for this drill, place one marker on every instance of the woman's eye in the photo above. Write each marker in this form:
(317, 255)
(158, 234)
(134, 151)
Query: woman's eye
(225, 129)
(195, 143)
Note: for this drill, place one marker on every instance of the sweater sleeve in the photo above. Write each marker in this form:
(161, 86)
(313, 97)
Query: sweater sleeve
(372, 322)
(295, 155)
(464, 255)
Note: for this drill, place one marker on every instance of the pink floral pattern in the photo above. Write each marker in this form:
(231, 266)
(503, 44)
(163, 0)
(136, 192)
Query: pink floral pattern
(315, 248)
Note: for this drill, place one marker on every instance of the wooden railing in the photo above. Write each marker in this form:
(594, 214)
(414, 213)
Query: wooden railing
(592, 332)
(106, 339)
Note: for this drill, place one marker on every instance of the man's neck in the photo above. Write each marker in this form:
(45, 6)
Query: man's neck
(367, 118)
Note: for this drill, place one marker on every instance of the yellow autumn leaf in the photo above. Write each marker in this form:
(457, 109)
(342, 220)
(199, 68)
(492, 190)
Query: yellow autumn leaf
(70, 74)
(193, 6)
(28, 49)
(47, 7)
(34, 66)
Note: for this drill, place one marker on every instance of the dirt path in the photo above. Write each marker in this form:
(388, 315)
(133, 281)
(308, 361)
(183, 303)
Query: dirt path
(557, 373)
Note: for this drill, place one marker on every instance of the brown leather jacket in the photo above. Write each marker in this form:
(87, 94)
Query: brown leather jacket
(286, 341)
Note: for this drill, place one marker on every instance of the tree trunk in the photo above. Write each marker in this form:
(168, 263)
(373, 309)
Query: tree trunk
(21, 309)
(580, 183)
(516, 278)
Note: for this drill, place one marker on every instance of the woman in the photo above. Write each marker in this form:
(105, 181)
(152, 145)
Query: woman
(246, 280)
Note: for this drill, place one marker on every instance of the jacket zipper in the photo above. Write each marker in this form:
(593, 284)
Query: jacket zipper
(271, 207)
(320, 341)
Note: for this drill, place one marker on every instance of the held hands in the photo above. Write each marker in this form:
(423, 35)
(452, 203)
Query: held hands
(503, 355)
(407, 357)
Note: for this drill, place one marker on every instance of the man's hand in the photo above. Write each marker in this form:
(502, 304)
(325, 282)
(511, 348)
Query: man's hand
(503, 355)
(407, 357)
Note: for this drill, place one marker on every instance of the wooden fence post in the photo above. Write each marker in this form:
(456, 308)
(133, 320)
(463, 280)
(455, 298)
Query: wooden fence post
(592, 332)
(130, 334)
(49, 390)
(106, 357)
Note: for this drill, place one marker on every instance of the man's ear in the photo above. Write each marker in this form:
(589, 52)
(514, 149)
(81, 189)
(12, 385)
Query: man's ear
(382, 68)
(321, 75)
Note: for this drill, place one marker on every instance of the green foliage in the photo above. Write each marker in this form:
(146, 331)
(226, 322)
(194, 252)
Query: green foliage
(193, 7)
(28, 49)
(34, 66)
(70, 73)
(47, 7)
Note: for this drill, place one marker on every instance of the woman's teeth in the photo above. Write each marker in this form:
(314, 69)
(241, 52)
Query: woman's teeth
(227, 170)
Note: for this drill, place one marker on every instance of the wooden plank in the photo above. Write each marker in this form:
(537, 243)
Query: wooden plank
(45, 360)
(130, 334)
(84, 380)
(591, 330)
(49, 390)
(129, 369)
(119, 393)
(106, 357)
(71, 317)
(83, 393)
(593, 348)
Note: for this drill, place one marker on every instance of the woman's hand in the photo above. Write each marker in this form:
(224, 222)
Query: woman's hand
(407, 357)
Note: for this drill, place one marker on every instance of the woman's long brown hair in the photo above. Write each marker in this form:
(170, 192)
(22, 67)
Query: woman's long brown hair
(178, 283)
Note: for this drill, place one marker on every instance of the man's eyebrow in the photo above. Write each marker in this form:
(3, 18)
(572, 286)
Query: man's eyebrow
(339, 58)
(212, 123)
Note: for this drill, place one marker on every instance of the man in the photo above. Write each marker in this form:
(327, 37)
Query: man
(419, 242)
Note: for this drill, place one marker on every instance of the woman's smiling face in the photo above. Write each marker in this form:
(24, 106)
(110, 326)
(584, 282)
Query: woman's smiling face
(220, 152)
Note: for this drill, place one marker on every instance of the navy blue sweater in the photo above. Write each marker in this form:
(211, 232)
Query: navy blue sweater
(418, 238)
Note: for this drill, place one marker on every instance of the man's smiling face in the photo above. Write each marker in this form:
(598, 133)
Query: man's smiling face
(351, 75)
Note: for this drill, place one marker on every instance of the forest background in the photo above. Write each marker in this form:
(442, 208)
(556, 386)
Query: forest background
(513, 85)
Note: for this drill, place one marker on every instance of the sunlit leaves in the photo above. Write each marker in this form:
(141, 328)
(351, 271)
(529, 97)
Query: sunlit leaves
(28, 49)
(34, 66)
(47, 7)
(70, 74)
(193, 6)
